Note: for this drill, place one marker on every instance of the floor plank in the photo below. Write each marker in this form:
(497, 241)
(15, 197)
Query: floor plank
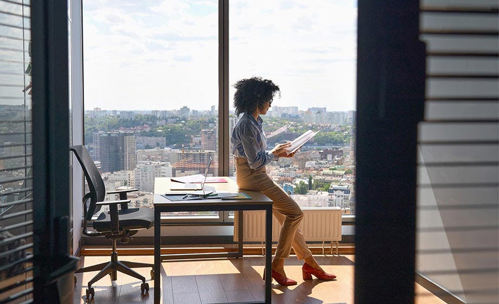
(229, 280)
(210, 289)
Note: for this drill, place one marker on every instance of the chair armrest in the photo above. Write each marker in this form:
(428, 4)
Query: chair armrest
(110, 203)
(123, 195)
(122, 191)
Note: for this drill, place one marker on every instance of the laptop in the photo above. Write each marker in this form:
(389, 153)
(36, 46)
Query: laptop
(193, 186)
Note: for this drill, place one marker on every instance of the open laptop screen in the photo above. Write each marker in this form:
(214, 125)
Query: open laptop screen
(206, 174)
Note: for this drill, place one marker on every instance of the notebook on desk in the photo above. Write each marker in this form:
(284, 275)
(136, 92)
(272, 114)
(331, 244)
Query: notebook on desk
(234, 196)
(207, 195)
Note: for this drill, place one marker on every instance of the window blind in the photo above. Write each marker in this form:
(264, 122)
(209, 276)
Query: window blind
(458, 187)
(16, 223)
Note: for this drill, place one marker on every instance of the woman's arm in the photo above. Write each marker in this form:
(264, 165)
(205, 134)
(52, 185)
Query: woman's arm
(251, 141)
(257, 157)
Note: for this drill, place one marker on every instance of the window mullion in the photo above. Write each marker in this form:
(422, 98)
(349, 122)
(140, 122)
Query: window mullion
(223, 87)
(223, 93)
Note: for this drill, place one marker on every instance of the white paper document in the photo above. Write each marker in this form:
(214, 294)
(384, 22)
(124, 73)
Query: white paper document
(300, 141)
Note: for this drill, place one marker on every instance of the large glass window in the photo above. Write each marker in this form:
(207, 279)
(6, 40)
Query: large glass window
(308, 48)
(151, 91)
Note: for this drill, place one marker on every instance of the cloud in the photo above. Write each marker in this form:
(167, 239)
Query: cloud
(163, 55)
(308, 48)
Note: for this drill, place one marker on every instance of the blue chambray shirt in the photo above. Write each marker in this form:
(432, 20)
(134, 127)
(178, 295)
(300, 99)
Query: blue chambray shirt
(249, 141)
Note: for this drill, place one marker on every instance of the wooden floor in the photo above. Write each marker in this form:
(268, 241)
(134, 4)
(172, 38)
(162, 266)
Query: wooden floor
(225, 281)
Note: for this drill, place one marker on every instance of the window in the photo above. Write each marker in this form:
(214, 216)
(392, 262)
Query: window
(152, 90)
(290, 42)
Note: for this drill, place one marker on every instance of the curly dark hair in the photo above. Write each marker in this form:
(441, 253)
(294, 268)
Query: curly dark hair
(253, 92)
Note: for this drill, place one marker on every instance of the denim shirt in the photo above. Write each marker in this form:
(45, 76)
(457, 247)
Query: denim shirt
(249, 141)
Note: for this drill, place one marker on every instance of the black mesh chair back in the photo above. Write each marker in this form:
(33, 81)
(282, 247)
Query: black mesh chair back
(94, 181)
(115, 224)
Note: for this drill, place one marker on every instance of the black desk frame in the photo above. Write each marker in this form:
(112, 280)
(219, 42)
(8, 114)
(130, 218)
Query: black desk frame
(207, 205)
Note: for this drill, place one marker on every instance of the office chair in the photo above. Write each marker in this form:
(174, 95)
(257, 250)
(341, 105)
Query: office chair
(112, 224)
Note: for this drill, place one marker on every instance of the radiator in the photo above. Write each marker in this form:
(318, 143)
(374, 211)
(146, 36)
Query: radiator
(318, 225)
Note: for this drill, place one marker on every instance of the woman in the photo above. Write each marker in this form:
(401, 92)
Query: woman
(253, 98)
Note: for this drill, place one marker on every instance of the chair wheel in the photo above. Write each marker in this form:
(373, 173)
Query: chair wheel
(144, 288)
(152, 274)
(90, 293)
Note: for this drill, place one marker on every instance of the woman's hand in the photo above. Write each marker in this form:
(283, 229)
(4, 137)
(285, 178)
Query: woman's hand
(280, 150)
(286, 154)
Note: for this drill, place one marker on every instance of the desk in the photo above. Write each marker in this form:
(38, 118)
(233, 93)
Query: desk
(258, 201)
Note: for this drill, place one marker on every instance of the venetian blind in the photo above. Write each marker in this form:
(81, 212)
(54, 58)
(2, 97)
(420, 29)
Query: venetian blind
(458, 209)
(15, 153)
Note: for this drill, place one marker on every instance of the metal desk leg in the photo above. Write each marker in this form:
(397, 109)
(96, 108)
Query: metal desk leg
(157, 256)
(268, 254)
(240, 233)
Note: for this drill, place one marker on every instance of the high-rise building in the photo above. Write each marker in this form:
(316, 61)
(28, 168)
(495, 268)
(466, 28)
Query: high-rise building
(94, 149)
(129, 156)
(115, 151)
(208, 139)
(317, 110)
(146, 172)
(184, 112)
(277, 111)
(194, 162)
(315, 115)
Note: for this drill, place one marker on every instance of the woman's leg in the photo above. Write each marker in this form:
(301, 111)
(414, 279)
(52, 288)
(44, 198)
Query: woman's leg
(285, 209)
(281, 211)
(300, 247)
(291, 216)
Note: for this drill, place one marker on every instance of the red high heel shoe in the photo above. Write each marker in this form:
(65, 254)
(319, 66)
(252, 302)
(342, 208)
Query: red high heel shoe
(308, 271)
(281, 279)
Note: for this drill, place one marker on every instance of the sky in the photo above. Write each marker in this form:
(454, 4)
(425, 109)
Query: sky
(162, 55)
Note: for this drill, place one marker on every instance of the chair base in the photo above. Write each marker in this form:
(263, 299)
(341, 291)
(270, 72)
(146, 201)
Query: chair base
(114, 266)
(112, 269)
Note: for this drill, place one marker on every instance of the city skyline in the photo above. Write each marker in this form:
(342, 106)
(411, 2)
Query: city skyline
(99, 108)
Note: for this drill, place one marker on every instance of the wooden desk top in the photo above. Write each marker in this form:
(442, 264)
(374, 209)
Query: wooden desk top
(162, 186)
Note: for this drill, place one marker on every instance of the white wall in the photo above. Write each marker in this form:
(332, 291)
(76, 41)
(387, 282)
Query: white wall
(76, 89)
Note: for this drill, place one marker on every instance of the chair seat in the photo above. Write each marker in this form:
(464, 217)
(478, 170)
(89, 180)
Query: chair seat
(132, 218)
